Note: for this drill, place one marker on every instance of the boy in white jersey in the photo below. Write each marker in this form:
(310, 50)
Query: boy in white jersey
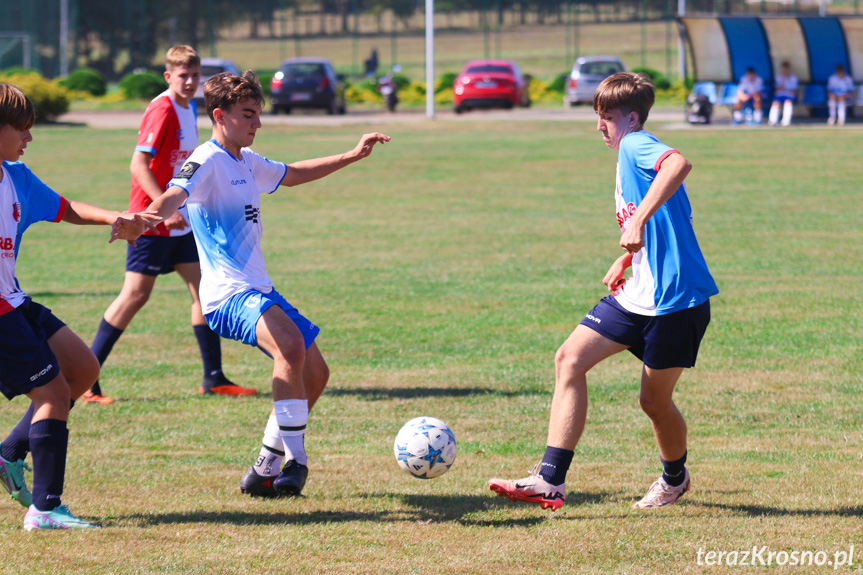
(167, 137)
(40, 357)
(749, 92)
(785, 96)
(659, 314)
(221, 183)
(839, 87)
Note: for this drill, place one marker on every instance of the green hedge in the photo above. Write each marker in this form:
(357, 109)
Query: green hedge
(143, 86)
(48, 96)
(658, 78)
(86, 80)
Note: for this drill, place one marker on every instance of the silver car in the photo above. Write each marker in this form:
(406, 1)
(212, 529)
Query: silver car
(587, 73)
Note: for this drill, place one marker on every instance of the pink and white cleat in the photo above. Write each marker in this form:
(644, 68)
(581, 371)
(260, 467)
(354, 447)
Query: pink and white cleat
(533, 489)
(661, 494)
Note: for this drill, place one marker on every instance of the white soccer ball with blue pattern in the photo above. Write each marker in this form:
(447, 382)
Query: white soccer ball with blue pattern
(425, 447)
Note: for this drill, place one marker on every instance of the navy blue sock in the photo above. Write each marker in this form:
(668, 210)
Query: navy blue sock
(17, 443)
(49, 439)
(106, 336)
(555, 464)
(674, 472)
(211, 350)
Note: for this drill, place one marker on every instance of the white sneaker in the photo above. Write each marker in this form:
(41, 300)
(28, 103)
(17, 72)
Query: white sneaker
(661, 493)
(533, 489)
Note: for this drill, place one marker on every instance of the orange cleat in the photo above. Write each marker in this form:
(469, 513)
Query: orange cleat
(90, 397)
(224, 387)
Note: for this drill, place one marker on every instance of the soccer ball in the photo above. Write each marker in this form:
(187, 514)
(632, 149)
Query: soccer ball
(425, 447)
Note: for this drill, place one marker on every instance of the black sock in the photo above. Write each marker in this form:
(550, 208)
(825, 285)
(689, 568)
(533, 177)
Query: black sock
(211, 351)
(106, 336)
(17, 443)
(674, 472)
(49, 439)
(555, 464)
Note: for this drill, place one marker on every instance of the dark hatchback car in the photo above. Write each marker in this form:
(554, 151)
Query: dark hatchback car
(307, 83)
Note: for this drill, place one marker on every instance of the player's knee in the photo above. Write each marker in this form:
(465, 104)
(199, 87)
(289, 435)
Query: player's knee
(136, 299)
(323, 373)
(652, 407)
(88, 372)
(567, 359)
(291, 350)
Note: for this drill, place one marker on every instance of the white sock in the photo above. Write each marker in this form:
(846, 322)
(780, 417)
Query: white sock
(270, 459)
(841, 111)
(292, 416)
(738, 116)
(773, 118)
(787, 112)
(756, 116)
(831, 106)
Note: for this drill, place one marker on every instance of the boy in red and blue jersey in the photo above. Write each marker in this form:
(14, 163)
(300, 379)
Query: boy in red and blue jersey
(659, 314)
(167, 137)
(40, 357)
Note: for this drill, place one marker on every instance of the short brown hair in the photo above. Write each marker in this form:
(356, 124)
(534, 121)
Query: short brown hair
(627, 92)
(226, 89)
(181, 57)
(16, 109)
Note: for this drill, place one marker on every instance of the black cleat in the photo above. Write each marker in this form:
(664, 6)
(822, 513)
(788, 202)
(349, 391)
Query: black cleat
(292, 479)
(257, 485)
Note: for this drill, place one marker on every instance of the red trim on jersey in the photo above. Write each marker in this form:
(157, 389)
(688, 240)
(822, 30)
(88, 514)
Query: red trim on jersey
(61, 211)
(662, 158)
(5, 306)
(159, 128)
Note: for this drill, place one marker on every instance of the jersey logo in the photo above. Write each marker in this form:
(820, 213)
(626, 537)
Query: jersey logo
(16, 211)
(187, 171)
(625, 214)
(252, 214)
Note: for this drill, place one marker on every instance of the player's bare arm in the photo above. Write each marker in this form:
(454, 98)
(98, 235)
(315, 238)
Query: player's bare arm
(82, 214)
(670, 176)
(130, 228)
(310, 170)
(140, 169)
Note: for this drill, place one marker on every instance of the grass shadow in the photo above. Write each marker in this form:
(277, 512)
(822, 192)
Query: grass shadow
(765, 511)
(420, 509)
(382, 393)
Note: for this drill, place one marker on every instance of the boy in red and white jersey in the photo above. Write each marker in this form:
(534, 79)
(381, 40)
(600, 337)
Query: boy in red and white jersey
(168, 135)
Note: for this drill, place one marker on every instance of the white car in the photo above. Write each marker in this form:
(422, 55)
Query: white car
(587, 73)
(211, 67)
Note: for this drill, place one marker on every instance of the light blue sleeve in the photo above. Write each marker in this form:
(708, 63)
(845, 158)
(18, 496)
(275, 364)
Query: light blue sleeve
(644, 151)
(42, 203)
(268, 174)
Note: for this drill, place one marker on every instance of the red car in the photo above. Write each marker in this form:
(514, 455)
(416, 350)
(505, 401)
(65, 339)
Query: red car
(490, 84)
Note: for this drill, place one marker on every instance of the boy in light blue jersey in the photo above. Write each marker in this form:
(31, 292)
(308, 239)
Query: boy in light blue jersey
(222, 183)
(659, 314)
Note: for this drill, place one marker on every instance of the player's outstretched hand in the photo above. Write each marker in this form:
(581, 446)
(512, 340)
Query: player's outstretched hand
(367, 142)
(129, 227)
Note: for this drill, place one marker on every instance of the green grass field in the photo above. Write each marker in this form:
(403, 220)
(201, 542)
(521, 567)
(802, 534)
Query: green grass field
(445, 271)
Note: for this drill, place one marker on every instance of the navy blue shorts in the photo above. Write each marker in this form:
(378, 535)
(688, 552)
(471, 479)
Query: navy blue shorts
(662, 341)
(157, 255)
(26, 359)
